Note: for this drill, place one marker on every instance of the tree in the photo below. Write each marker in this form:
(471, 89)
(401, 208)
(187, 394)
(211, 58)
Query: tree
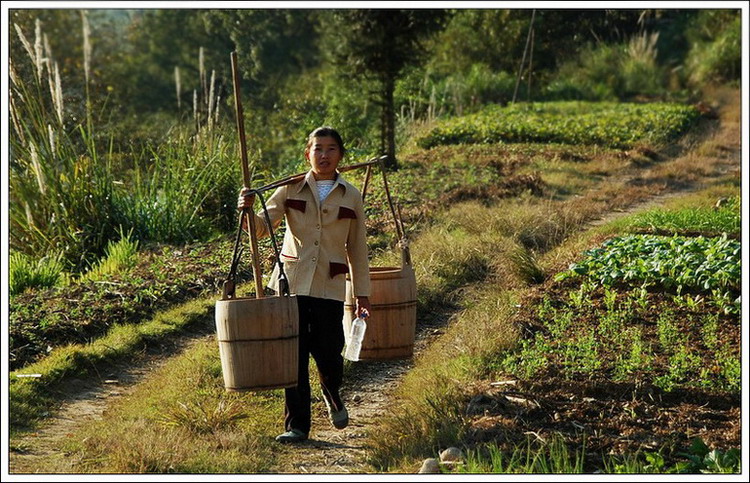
(272, 46)
(379, 44)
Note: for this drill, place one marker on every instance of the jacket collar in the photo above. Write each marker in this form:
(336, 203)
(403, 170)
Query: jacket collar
(310, 180)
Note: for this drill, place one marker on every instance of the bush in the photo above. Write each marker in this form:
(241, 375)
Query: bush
(716, 53)
(425, 95)
(611, 71)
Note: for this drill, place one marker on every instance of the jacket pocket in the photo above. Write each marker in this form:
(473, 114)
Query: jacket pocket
(345, 212)
(338, 268)
(299, 205)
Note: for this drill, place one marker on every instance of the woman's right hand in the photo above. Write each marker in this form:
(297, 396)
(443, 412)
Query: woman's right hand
(245, 200)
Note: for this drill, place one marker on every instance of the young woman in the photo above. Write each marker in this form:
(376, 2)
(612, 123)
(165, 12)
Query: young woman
(325, 239)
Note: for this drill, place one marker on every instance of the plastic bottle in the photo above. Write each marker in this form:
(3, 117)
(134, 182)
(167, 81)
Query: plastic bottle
(356, 336)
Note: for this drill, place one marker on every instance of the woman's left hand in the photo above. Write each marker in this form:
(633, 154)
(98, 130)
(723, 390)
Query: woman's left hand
(363, 307)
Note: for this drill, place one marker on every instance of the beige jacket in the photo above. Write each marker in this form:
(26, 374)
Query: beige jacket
(322, 243)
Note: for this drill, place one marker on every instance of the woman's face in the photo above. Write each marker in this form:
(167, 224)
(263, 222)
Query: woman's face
(324, 155)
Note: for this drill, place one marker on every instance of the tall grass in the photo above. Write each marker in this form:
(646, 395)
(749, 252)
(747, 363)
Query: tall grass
(117, 256)
(70, 194)
(60, 189)
(181, 190)
(25, 273)
(715, 53)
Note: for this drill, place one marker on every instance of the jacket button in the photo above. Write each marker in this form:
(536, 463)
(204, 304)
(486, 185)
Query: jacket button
(314, 259)
(317, 226)
(325, 210)
(316, 242)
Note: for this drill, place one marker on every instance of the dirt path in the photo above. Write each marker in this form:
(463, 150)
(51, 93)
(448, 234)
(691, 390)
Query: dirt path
(367, 393)
(85, 401)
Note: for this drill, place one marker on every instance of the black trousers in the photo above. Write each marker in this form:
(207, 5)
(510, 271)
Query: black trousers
(321, 334)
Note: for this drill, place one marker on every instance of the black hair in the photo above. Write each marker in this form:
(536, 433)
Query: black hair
(326, 131)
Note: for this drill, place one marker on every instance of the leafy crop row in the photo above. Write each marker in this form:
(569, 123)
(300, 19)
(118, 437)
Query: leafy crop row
(615, 125)
(673, 263)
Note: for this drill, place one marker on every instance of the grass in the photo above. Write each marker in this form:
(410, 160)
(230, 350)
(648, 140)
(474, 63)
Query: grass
(118, 256)
(182, 421)
(71, 191)
(26, 274)
(710, 220)
(533, 457)
(31, 399)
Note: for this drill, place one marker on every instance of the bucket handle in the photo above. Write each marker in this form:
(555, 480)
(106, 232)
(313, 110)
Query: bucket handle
(397, 218)
(230, 283)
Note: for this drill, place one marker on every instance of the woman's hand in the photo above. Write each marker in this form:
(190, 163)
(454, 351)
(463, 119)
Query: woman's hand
(245, 202)
(363, 307)
(246, 199)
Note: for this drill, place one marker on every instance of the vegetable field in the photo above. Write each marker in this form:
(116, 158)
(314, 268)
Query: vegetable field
(616, 125)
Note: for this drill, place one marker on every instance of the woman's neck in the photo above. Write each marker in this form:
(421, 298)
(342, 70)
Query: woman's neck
(319, 177)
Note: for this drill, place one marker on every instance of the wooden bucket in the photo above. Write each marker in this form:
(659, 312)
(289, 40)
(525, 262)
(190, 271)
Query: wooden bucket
(392, 324)
(258, 342)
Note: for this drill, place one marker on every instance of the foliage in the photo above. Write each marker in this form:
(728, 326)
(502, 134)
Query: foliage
(274, 46)
(611, 71)
(497, 37)
(676, 263)
(699, 459)
(715, 54)
(379, 44)
(724, 219)
(25, 273)
(427, 95)
(619, 125)
(140, 72)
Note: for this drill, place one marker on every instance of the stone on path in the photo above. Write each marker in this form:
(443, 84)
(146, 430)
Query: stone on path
(430, 465)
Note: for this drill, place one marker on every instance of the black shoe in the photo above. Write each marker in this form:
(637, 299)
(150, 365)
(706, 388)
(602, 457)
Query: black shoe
(340, 418)
(291, 436)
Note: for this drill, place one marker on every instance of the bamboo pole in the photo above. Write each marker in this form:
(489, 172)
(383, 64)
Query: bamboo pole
(300, 176)
(246, 178)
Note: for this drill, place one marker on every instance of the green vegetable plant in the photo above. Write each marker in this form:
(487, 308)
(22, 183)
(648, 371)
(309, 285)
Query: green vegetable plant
(615, 125)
